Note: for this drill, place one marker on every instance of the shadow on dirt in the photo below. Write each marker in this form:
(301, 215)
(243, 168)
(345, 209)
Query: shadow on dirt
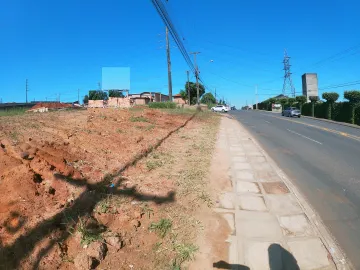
(225, 265)
(12, 255)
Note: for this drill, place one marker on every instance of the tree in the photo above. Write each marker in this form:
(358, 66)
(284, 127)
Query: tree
(86, 99)
(208, 98)
(97, 95)
(301, 100)
(114, 93)
(271, 102)
(291, 101)
(313, 100)
(330, 98)
(283, 101)
(354, 100)
(193, 92)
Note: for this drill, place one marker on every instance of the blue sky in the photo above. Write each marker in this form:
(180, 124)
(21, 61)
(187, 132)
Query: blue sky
(62, 46)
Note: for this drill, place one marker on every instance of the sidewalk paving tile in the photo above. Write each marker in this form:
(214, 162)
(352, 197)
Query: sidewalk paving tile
(252, 203)
(254, 154)
(241, 166)
(226, 200)
(270, 176)
(309, 253)
(229, 217)
(295, 225)
(284, 204)
(275, 187)
(245, 175)
(262, 167)
(265, 226)
(257, 255)
(247, 187)
(257, 159)
(239, 159)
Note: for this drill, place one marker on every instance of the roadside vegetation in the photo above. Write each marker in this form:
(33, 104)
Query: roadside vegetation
(12, 112)
(344, 111)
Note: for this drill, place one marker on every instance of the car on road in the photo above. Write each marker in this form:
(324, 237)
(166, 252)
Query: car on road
(291, 112)
(220, 108)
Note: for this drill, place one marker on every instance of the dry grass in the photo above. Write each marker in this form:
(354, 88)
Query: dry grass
(185, 161)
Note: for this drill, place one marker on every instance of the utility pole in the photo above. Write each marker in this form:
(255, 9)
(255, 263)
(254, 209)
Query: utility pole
(168, 63)
(188, 87)
(215, 96)
(99, 85)
(26, 90)
(79, 96)
(256, 94)
(288, 86)
(197, 78)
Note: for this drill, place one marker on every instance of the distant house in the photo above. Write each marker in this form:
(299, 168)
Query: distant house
(178, 99)
(146, 97)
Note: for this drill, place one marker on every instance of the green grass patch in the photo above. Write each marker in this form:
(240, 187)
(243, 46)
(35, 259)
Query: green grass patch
(162, 227)
(153, 164)
(87, 235)
(138, 119)
(162, 105)
(185, 252)
(13, 112)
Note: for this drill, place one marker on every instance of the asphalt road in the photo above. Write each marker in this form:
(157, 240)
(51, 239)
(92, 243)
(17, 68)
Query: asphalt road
(323, 161)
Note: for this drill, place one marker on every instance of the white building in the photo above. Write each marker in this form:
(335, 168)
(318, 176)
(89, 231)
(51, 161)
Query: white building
(310, 85)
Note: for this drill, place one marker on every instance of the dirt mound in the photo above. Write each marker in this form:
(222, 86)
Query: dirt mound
(55, 167)
(52, 105)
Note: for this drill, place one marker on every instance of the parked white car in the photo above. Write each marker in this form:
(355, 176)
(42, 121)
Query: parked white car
(220, 108)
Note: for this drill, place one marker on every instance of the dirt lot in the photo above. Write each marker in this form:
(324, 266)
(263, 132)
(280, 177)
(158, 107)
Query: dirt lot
(104, 188)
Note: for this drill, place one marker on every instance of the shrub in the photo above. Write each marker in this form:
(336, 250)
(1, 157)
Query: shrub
(162, 105)
(331, 98)
(354, 100)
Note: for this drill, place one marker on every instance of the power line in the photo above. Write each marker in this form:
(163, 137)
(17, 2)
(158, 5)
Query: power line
(333, 57)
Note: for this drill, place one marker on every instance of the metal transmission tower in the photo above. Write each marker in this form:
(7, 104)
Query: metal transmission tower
(288, 86)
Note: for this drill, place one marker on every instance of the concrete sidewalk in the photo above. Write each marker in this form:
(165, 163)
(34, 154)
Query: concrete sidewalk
(273, 227)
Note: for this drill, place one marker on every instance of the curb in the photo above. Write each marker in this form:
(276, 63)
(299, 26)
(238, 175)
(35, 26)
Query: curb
(331, 121)
(339, 258)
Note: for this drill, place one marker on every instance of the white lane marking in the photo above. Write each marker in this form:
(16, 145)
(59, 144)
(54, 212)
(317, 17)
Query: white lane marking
(267, 122)
(303, 136)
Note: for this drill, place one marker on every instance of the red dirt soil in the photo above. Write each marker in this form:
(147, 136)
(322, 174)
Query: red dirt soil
(49, 165)
(52, 105)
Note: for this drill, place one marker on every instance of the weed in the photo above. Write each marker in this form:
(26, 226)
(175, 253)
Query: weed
(136, 109)
(14, 135)
(87, 236)
(162, 227)
(146, 210)
(175, 266)
(153, 164)
(102, 116)
(205, 197)
(162, 105)
(150, 127)
(120, 131)
(185, 252)
(157, 245)
(138, 119)
(104, 206)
